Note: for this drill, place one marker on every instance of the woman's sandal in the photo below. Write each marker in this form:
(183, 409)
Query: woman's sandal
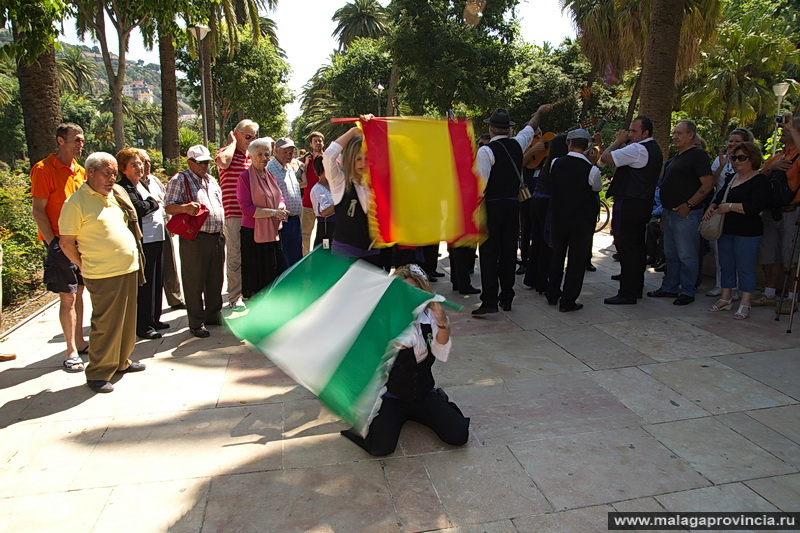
(742, 313)
(73, 365)
(721, 305)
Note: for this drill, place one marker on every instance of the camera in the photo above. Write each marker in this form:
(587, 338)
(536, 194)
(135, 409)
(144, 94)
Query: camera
(780, 119)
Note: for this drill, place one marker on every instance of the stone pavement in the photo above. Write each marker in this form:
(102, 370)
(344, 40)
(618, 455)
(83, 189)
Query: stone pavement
(631, 408)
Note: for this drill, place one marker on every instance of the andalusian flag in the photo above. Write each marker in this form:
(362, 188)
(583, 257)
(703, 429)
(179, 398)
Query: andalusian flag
(329, 323)
(424, 183)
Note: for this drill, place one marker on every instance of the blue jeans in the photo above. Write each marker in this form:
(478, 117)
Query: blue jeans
(737, 260)
(682, 251)
(292, 241)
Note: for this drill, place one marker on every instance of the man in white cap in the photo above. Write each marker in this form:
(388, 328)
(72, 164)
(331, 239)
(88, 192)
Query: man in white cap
(500, 170)
(574, 182)
(291, 232)
(202, 259)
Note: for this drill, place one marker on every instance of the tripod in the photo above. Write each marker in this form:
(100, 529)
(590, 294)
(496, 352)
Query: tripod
(795, 280)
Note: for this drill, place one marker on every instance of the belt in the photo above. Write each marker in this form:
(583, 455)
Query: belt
(294, 216)
(209, 233)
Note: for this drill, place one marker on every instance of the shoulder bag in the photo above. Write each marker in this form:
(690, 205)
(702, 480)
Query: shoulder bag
(185, 225)
(711, 229)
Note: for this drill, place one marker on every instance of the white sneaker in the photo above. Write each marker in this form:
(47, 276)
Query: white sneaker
(238, 305)
(716, 291)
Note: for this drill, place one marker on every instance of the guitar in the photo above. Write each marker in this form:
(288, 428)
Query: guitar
(540, 155)
(594, 151)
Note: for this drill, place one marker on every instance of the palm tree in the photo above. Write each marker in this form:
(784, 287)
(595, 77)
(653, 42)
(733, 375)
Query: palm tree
(360, 18)
(78, 73)
(735, 75)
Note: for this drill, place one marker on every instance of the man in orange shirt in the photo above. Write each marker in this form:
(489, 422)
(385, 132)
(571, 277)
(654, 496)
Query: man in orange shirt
(53, 180)
(776, 245)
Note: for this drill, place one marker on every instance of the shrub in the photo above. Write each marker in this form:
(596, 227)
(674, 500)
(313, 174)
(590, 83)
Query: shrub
(23, 256)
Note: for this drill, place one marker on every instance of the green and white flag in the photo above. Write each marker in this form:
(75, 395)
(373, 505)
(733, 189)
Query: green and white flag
(329, 323)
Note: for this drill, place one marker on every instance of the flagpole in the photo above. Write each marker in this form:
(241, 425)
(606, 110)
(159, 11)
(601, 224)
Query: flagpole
(344, 120)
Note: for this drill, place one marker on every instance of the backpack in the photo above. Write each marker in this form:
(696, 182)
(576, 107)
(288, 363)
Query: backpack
(780, 193)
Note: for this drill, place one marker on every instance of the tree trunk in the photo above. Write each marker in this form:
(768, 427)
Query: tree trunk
(390, 94)
(659, 65)
(41, 105)
(208, 112)
(170, 145)
(637, 89)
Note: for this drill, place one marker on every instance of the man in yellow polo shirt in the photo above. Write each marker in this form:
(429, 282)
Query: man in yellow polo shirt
(53, 180)
(95, 235)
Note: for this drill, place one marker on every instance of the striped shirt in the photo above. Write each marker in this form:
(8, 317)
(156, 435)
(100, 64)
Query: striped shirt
(290, 187)
(205, 191)
(228, 178)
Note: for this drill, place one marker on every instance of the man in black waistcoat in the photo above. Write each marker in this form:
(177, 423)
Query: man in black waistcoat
(638, 167)
(500, 168)
(574, 180)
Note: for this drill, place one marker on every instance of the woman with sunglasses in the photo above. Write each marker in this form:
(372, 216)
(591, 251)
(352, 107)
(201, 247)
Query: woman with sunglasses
(742, 230)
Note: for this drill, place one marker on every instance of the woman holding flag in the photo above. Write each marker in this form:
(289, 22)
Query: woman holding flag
(345, 166)
(410, 390)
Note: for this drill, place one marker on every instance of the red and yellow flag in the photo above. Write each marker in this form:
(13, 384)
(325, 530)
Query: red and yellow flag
(423, 180)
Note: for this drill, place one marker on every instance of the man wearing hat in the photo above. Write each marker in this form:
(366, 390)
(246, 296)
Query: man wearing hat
(500, 169)
(574, 180)
(291, 233)
(203, 259)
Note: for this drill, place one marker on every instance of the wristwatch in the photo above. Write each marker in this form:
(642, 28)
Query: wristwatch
(689, 204)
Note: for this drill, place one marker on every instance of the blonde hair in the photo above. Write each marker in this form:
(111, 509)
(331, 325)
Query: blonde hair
(349, 156)
(407, 272)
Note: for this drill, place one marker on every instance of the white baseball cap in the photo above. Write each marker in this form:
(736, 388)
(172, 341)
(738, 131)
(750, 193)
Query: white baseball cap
(198, 152)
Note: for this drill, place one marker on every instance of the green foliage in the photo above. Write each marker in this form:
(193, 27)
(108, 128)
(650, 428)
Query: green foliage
(360, 19)
(189, 137)
(34, 23)
(12, 131)
(22, 255)
(78, 109)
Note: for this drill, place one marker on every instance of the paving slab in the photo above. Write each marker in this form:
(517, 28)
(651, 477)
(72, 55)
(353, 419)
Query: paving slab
(781, 491)
(69, 512)
(582, 470)
(595, 348)
(784, 420)
(773, 442)
(586, 520)
(716, 387)
(669, 339)
(716, 451)
(778, 369)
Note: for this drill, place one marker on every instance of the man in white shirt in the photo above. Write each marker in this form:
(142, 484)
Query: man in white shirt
(638, 159)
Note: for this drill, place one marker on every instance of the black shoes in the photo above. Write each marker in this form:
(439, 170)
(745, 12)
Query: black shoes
(484, 310)
(470, 290)
(506, 307)
(99, 385)
(161, 325)
(616, 277)
(570, 308)
(619, 300)
(135, 366)
(521, 270)
(683, 299)
(591, 268)
(200, 332)
(436, 274)
(662, 294)
(149, 334)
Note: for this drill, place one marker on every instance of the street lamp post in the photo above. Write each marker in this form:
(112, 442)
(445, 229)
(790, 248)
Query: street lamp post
(378, 90)
(780, 90)
(200, 32)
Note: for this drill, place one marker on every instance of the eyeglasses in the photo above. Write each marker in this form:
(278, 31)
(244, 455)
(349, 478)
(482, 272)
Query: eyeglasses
(740, 157)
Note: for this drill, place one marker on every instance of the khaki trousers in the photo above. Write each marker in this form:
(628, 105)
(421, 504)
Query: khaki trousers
(112, 334)
(172, 282)
(233, 258)
(307, 221)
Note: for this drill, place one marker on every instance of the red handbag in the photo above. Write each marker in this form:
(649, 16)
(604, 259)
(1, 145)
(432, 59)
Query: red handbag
(185, 225)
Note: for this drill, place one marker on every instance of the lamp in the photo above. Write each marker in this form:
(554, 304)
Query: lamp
(378, 90)
(199, 31)
(780, 90)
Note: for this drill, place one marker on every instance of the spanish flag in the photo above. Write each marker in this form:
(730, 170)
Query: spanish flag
(424, 182)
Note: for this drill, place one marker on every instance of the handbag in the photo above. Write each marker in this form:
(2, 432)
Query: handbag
(184, 224)
(524, 192)
(711, 229)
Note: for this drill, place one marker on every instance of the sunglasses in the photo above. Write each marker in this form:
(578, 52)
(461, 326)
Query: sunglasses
(740, 157)
(247, 136)
(200, 162)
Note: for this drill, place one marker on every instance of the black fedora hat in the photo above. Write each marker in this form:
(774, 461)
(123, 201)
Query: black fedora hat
(500, 118)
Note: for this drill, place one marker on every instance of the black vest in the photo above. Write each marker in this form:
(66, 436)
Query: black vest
(351, 221)
(639, 183)
(504, 177)
(408, 380)
(569, 186)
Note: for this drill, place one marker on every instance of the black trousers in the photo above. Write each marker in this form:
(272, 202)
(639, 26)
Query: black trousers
(632, 215)
(572, 240)
(434, 411)
(654, 238)
(202, 268)
(525, 230)
(148, 298)
(541, 252)
(499, 252)
(324, 231)
(430, 257)
(462, 260)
